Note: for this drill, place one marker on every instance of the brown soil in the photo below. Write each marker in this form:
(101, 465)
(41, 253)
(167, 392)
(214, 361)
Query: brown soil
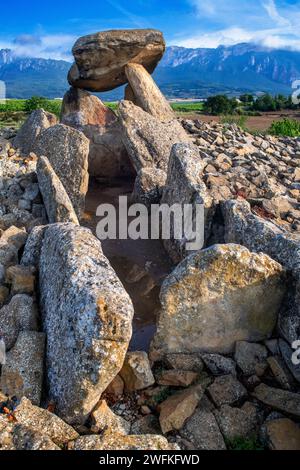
(254, 123)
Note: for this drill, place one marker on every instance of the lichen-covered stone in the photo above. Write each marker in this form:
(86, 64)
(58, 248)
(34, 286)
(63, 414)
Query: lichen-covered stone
(101, 58)
(249, 355)
(19, 315)
(136, 371)
(203, 431)
(67, 150)
(108, 157)
(44, 422)
(216, 297)
(147, 94)
(281, 434)
(237, 422)
(57, 202)
(281, 400)
(22, 374)
(148, 186)
(147, 140)
(86, 315)
(226, 390)
(37, 122)
(103, 418)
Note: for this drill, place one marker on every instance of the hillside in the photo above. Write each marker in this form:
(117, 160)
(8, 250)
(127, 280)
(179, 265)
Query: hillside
(183, 73)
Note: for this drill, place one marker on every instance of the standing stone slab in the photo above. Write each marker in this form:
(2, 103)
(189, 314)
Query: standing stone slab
(147, 95)
(22, 375)
(101, 58)
(87, 317)
(57, 202)
(38, 121)
(108, 156)
(147, 140)
(185, 185)
(67, 150)
(216, 297)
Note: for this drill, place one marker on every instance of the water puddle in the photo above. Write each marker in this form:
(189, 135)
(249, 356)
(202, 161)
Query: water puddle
(142, 265)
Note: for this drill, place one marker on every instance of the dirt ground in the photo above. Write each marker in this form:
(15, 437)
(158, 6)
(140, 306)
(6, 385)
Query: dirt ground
(256, 123)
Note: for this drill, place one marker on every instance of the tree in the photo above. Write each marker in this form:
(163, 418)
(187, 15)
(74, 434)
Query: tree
(247, 98)
(36, 102)
(265, 103)
(220, 104)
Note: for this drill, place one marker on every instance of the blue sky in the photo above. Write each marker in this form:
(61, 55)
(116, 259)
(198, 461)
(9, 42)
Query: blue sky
(49, 29)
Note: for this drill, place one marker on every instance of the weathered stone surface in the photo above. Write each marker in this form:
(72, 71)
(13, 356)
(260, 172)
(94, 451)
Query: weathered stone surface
(114, 441)
(87, 316)
(22, 375)
(219, 365)
(13, 236)
(216, 297)
(85, 112)
(116, 387)
(281, 434)
(101, 58)
(147, 140)
(19, 315)
(148, 186)
(203, 431)
(38, 121)
(33, 247)
(237, 422)
(189, 362)
(103, 418)
(44, 422)
(260, 235)
(281, 400)
(15, 436)
(287, 353)
(249, 355)
(185, 185)
(178, 408)
(147, 94)
(67, 150)
(176, 378)
(21, 278)
(57, 202)
(226, 390)
(280, 372)
(136, 371)
(146, 425)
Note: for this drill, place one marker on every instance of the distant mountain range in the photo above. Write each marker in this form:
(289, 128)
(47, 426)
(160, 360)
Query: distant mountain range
(182, 73)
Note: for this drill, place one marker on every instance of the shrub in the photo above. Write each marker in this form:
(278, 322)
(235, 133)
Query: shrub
(241, 443)
(37, 102)
(220, 104)
(285, 127)
(232, 119)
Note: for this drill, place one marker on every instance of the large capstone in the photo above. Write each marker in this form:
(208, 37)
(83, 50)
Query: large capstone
(87, 316)
(216, 297)
(100, 58)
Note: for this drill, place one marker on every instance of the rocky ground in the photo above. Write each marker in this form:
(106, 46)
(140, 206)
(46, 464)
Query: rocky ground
(221, 372)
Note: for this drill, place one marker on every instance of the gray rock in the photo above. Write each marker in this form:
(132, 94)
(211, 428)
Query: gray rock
(87, 317)
(33, 247)
(57, 202)
(148, 186)
(237, 422)
(101, 58)
(22, 375)
(37, 122)
(67, 150)
(15, 436)
(19, 315)
(147, 140)
(249, 355)
(189, 362)
(280, 400)
(185, 185)
(108, 157)
(280, 372)
(114, 441)
(287, 353)
(44, 422)
(147, 425)
(216, 297)
(203, 431)
(147, 94)
(226, 390)
(219, 365)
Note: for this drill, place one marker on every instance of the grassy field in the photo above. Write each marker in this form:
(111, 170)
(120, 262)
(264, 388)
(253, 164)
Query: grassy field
(14, 112)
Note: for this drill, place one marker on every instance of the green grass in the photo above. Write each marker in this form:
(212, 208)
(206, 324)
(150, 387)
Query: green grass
(286, 128)
(191, 107)
(242, 443)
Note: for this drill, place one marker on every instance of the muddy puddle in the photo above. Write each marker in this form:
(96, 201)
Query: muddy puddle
(142, 265)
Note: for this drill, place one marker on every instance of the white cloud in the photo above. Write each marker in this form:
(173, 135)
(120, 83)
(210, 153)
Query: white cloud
(56, 46)
(273, 13)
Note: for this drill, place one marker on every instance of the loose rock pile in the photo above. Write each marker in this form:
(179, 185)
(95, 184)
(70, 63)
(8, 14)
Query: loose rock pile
(220, 367)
